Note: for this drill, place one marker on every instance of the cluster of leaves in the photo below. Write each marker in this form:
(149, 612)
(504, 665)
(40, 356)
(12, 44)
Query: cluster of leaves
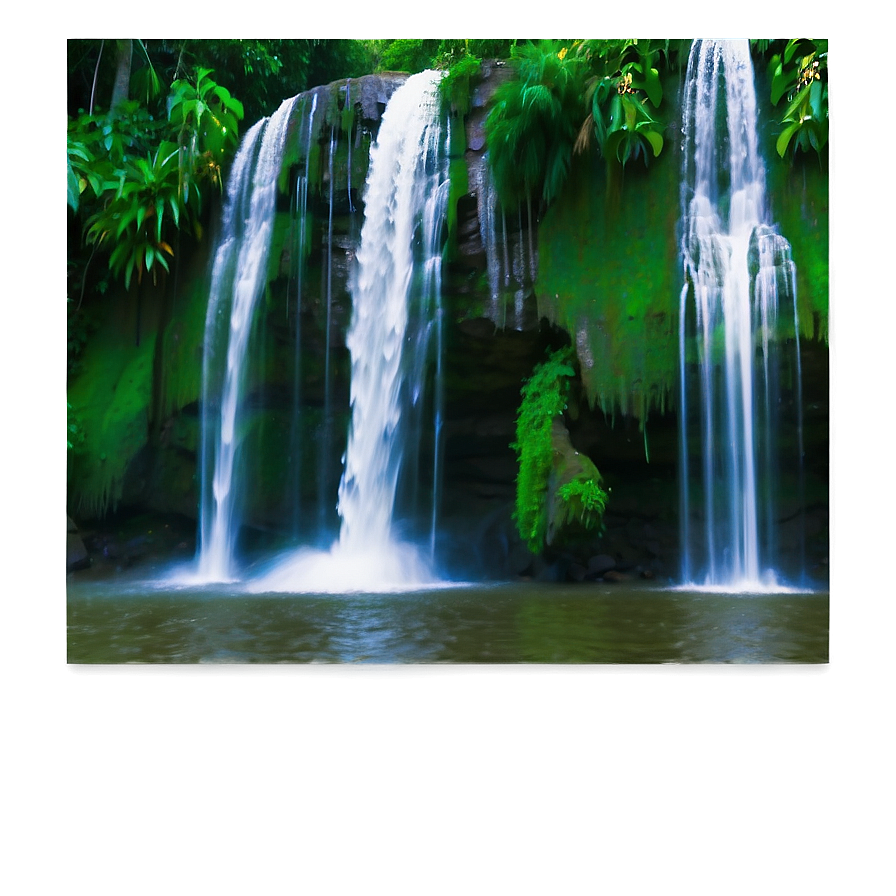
(584, 500)
(416, 55)
(564, 97)
(457, 83)
(532, 126)
(544, 397)
(799, 74)
(624, 96)
(142, 175)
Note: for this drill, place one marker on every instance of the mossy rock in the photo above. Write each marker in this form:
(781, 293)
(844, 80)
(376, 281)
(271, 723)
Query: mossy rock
(608, 274)
(567, 520)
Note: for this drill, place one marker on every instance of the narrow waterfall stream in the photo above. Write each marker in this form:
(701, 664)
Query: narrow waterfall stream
(737, 270)
(237, 281)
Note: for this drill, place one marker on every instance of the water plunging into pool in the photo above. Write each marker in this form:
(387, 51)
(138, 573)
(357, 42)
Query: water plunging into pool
(394, 341)
(238, 276)
(738, 274)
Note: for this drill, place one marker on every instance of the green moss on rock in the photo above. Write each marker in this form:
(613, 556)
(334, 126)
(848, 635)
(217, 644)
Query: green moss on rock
(799, 206)
(608, 274)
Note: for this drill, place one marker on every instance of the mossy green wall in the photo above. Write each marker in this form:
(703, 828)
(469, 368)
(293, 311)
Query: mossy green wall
(124, 386)
(111, 396)
(798, 199)
(608, 274)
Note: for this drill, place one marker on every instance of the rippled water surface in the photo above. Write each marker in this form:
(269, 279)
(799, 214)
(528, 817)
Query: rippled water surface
(121, 622)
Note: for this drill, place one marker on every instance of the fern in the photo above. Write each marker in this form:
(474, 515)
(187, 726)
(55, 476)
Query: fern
(533, 123)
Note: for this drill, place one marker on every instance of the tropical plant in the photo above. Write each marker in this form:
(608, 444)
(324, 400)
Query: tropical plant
(456, 85)
(133, 223)
(532, 125)
(623, 101)
(799, 73)
(207, 118)
(144, 176)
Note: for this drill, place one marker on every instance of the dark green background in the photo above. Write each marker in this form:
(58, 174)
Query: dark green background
(295, 780)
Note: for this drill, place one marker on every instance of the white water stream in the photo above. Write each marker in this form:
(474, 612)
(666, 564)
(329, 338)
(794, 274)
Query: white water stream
(238, 277)
(398, 260)
(734, 264)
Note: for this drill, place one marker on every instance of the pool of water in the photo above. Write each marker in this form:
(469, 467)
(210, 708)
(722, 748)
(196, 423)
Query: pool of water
(132, 621)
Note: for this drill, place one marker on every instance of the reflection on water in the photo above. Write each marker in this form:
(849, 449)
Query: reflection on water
(116, 622)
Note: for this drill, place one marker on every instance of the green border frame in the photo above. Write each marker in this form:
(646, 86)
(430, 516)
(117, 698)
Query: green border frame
(302, 780)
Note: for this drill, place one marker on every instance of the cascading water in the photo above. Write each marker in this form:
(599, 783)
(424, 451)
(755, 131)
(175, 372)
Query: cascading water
(510, 267)
(397, 280)
(238, 277)
(736, 270)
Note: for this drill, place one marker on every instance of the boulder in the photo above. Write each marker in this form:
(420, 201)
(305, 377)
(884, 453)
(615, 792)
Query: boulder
(600, 563)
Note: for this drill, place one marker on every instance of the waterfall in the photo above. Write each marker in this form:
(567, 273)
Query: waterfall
(405, 192)
(238, 276)
(395, 330)
(736, 270)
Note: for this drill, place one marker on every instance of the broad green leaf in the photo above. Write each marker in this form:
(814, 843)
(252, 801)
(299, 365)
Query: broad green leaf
(798, 107)
(235, 107)
(816, 99)
(631, 112)
(655, 139)
(813, 137)
(785, 137)
(616, 113)
(653, 87)
(791, 48)
(126, 219)
(780, 85)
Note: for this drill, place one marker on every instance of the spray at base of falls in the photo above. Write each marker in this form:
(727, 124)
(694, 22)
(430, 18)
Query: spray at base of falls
(732, 351)
(405, 202)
